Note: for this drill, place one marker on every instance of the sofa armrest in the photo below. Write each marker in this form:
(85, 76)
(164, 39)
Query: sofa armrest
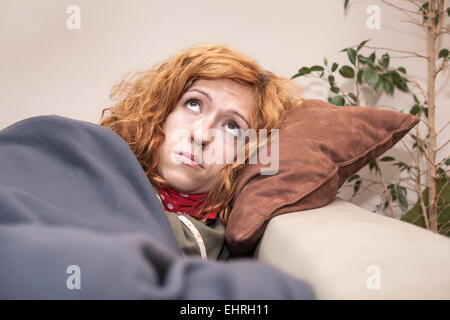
(347, 252)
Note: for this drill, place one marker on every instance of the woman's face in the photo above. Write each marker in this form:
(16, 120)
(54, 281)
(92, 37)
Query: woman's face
(205, 124)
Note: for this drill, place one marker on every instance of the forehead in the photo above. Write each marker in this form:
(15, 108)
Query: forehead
(239, 95)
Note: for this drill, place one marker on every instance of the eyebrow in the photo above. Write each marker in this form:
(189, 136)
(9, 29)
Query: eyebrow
(209, 98)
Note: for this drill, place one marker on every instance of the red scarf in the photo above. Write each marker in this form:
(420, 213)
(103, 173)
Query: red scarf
(182, 203)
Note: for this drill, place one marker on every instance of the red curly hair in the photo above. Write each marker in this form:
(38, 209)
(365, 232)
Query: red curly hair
(146, 98)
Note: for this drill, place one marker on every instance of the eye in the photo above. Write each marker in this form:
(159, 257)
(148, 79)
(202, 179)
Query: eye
(193, 103)
(234, 128)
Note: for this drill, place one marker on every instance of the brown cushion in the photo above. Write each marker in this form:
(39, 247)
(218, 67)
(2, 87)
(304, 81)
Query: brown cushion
(320, 146)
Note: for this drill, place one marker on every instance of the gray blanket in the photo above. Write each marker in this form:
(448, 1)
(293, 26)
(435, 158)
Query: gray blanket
(80, 220)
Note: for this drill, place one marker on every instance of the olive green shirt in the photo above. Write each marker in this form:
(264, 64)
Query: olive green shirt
(212, 234)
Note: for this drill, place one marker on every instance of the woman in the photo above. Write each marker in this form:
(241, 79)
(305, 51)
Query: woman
(198, 102)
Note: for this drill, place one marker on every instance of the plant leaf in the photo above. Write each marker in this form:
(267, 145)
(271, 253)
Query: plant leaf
(400, 82)
(443, 53)
(380, 84)
(303, 71)
(402, 166)
(331, 80)
(316, 68)
(415, 110)
(373, 165)
(352, 96)
(334, 89)
(362, 45)
(363, 59)
(401, 192)
(351, 54)
(334, 67)
(371, 77)
(385, 60)
(359, 76)
(353, 177)
(388, 86)
(415, 215)
(356, 187)
(337, 100)
(347, 72)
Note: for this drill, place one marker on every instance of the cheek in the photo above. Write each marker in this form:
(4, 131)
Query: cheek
(174, 130)
(230, 152)
(221, 152)
(177, 126)
(166, 146)
(231, 147)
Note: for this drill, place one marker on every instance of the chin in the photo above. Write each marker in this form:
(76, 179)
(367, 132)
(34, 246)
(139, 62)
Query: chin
(179, 180)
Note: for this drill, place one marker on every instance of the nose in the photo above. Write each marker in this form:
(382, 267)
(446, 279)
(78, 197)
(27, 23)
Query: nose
(201, 132)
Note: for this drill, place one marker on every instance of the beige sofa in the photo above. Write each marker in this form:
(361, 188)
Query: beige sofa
(347, 252)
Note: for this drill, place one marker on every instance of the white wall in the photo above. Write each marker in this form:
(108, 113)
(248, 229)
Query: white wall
(45, 68)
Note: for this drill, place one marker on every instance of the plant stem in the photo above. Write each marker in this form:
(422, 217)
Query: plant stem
(386, 191)
(431, 145)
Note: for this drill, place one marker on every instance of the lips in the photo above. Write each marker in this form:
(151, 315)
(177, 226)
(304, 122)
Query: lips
(192, 157)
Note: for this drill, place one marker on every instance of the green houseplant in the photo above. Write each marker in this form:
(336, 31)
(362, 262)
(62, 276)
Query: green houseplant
(425, 176)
